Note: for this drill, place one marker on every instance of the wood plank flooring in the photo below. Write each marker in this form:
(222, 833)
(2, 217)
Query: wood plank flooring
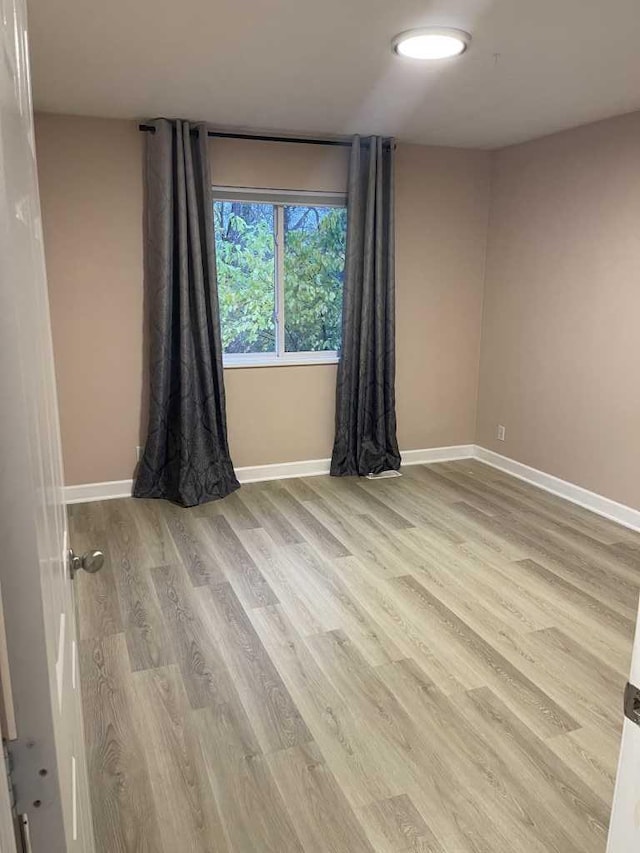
(433, 663)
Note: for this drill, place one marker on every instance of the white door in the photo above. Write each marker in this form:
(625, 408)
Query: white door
(624, 831)
(48, 750)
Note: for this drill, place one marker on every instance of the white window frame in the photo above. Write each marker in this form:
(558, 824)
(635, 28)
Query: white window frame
(279, 198)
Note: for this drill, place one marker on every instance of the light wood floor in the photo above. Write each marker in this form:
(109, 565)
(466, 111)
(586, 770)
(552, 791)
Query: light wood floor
(432, 663)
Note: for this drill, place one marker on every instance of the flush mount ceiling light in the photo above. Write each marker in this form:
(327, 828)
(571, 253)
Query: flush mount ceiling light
(431, 43)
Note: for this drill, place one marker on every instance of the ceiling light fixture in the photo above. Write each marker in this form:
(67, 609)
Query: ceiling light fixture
(431, 43)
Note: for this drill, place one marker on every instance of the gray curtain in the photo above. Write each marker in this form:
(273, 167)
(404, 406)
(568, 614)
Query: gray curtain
(365, 438)
(186, 457)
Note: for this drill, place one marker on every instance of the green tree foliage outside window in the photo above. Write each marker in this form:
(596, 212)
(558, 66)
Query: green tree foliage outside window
(314, 256)
(313, 274)
(245, 253)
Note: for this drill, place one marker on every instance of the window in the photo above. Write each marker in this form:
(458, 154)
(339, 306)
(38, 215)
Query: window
(280, 260)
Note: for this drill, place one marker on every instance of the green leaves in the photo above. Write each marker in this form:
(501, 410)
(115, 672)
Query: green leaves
(246, 275)
(314, 267)
(314, 255)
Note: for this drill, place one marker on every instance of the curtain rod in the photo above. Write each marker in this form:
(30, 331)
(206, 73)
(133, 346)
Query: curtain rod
(149, 128)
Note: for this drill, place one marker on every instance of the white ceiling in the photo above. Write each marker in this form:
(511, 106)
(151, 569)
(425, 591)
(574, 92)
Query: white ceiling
(325, 66)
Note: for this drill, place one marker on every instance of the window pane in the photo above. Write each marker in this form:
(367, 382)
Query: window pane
(246, 275)
(314, 241)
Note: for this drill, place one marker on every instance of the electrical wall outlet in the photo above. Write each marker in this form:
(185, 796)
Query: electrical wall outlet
(501, 432)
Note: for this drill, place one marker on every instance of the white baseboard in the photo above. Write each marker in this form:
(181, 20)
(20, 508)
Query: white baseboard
(97, 491)
(625, 515)
(283, 470)
(258, 473)
(251, 474)
(620, 513)
(437, 454)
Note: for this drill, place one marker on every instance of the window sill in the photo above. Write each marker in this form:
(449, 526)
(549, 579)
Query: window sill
(290, 360)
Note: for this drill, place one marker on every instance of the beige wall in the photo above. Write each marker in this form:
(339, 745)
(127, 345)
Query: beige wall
(441, 218)
(560, 340)
(91, 195)
(90, 181)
